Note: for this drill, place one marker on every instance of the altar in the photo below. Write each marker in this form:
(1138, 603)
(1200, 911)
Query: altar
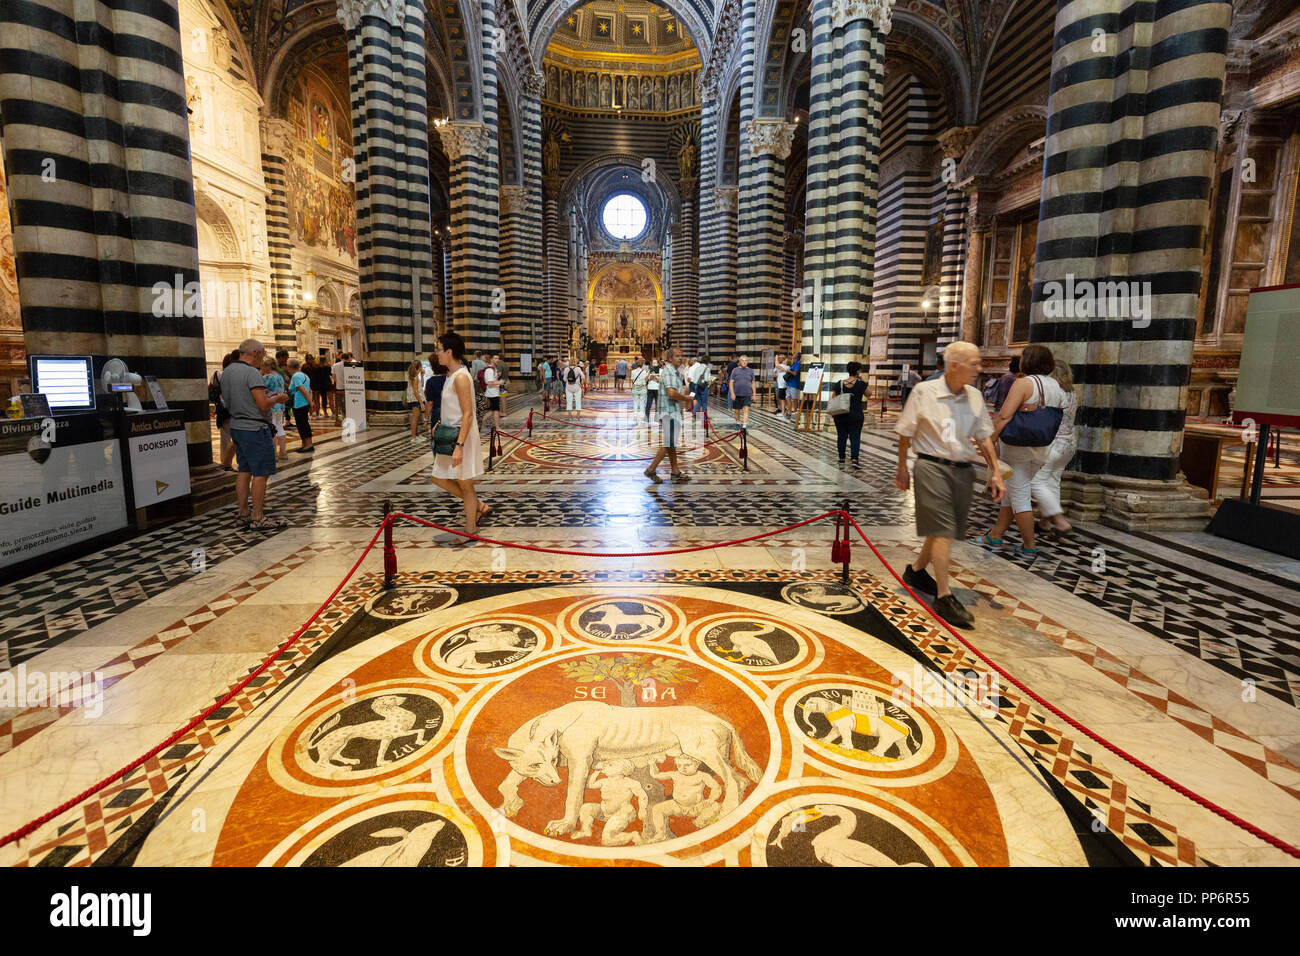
(624, 311)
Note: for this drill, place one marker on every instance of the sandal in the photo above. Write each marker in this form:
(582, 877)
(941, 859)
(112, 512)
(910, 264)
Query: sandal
(653, 476)
(985, 540)
(484, 514)
(268, 523)
(679, 477)
(1027, 552)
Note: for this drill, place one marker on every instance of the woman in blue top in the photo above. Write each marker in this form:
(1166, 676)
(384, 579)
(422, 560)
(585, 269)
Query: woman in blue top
(300, 389)
(275, 383)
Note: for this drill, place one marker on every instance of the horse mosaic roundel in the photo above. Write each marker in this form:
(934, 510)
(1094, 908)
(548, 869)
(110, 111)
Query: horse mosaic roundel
(590, 724)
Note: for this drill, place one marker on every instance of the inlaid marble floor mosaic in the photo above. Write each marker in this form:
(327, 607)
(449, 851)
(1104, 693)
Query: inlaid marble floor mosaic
(726, 707)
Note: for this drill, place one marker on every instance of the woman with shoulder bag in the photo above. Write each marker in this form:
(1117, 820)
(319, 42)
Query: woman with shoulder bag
(846, 411)
(457, 455)
(1027, 425)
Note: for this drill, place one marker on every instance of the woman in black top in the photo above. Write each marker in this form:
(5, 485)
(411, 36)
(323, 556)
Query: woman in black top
(848, 427)
(321, 385)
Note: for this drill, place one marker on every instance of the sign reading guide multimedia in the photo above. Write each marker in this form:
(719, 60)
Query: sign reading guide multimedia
(160, 467)
(57, 493)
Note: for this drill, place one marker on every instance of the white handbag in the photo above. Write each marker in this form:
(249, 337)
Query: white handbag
(839, 405)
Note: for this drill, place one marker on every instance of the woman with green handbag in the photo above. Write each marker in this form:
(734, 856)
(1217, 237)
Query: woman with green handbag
(457, 455)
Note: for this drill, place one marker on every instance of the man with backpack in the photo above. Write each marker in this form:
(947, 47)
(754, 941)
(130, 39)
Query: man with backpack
(574, 379)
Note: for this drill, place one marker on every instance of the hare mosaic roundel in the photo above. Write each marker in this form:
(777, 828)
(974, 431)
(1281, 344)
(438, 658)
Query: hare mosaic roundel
(595, 724)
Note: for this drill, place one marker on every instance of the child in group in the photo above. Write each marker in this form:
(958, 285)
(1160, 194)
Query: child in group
(275, 383)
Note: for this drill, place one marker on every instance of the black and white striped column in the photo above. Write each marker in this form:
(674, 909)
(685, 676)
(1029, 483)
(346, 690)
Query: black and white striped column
(286, 288)
(685, 277)
(1133, 127)
(819, 206)
(953, 145)
(531, 292)
(96, 148)
(765, 146)
(858, 40)
(712, 257)
(474, 229)
(391, 139)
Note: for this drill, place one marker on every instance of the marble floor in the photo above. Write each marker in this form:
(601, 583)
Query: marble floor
(735, 704)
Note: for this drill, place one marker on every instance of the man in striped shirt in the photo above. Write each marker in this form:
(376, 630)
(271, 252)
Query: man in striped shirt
(674, 398)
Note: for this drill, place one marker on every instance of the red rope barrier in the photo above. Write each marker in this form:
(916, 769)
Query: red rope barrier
(92, 790)
(611, 428)
(1150, 771)
(681, 451)
(842, 518)
(611, 554)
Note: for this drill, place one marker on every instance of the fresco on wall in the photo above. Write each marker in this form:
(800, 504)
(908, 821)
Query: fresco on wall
(10, 318)
(320, 124)
(322, 212)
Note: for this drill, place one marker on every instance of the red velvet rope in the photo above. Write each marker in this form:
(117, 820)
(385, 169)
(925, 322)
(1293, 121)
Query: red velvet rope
(681, 451)
(840, 517)
(92, 790)
(1151, 771)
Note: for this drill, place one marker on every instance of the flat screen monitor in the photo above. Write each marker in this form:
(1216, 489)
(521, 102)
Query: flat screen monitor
(67, 382)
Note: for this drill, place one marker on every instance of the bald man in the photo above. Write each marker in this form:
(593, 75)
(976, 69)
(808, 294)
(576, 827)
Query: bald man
(946, 419)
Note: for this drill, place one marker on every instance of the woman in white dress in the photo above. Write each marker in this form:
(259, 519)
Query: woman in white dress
(457, 472)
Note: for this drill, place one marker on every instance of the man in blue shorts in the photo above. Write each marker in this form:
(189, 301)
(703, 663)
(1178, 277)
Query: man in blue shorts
(245, 394)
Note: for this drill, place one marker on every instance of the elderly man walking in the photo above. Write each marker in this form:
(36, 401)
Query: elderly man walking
(244, 392)
(674, 399)
(945, 419)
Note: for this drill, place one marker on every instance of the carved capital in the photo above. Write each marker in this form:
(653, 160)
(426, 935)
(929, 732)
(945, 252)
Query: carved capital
(350, 12)
(464, 138)
(277, 136)
(534, 83)
(513, 199)
(552, 184)
(688, 184)
(770, 136)
(1232, 122)
(708, 87)
(844, 12)
(725, 197)
(955, 142)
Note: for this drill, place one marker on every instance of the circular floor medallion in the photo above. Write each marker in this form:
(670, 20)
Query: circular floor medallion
(407, 602)
(816, 829)
(857, 724)
(824, 598)
(757, 644)
(616, 620)
(380, 732)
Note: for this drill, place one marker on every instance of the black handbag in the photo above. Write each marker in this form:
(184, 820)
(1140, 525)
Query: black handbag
(444, 439)
(1035, 429)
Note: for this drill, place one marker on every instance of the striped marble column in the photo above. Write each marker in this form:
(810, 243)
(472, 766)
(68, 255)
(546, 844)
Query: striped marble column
(819, 208)
(953, 145)
(475, 256)
(712, 252)
(1133, 127)
(514, 266)
(391, 141)
(556, 270)
(531, 288)
(725, 200)
(286, 288)
(686, 290)
(97, 152)
(859, 28)
(761, 235)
